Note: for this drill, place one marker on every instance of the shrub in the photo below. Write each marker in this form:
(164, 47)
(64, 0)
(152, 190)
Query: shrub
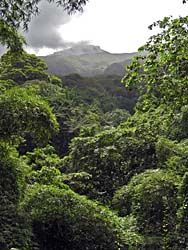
(65, 220)
(151, 197)
(15, 232)
(111, 158)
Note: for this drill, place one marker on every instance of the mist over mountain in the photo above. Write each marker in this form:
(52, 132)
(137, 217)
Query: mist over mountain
(87, 60)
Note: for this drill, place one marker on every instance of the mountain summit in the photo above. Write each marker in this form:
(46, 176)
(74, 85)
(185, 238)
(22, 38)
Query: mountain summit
(80, 49)
(87, 60)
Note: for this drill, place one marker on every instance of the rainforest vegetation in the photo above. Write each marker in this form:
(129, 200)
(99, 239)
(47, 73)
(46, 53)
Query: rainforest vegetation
(92, 163)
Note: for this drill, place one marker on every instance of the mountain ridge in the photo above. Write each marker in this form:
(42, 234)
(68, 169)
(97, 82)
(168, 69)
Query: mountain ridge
(87, 60)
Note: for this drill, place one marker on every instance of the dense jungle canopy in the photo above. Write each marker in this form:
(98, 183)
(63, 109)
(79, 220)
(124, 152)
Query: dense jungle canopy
(82, 168)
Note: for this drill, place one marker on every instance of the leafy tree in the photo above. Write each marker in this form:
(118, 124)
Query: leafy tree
(17, 14)
(9, 36)
(172, 156)
(15, 231)
(182, 225)
(20, 12)
(21, 67)
(104, 92)
(69, 108)
(111, 157)
(115, 117)
(161, 73)
(69, 221)
(151, 197)
(75, 114)
(41, 157)
(21, 112)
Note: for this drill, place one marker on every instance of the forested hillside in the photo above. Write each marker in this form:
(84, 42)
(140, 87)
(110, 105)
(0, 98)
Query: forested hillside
(92, 163)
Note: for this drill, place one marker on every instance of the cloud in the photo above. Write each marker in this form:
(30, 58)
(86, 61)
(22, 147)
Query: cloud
(2, 50)
(43, 29)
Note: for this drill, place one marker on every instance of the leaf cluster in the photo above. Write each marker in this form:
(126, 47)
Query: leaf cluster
(69, 221)
(21, 111)
(161, 71)
(17, 13)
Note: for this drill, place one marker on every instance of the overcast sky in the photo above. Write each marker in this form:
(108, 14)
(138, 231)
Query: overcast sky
(115, 25)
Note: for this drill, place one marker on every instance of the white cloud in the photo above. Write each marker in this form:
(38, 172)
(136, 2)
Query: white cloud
(119, 25)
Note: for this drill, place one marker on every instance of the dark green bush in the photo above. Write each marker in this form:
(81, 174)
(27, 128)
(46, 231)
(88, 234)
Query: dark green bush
(182, 225)
(111, 158)
(21, 111)
(65, 220)
(151, 197)
(14, 232)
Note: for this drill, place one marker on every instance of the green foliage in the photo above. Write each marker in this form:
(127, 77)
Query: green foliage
(41, 157)
(111, 157)
(78, 181)
(55, 80)
(161, 73)
(10, 37)
(115, 117)
(46, 176)
(151, 197)
(5, 85)
(182, 225)
(75, 114)
(104, 92)
(149, 125)
(14, 228)
(172, 156)
(69, 109)
(28, 70)
(17, 13)
(21, 111)
(137, 165)
(179, 125)
(22, 67)
(77, 110)
(69, 221)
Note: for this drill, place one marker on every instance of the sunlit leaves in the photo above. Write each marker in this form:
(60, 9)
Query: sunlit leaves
(10, 37)
(161, 72)
(111, 157)
(21, 67)
(70, 221)
(151, 197)
(21, 111)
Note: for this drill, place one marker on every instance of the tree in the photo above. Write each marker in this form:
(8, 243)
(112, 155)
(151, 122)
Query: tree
(160, 73)
(151, 197)
(16, 13)
(111, 157)
(67, 220)
(10, 37)
(21, 112)
(14, 227)
(21, 67)
(182, 214)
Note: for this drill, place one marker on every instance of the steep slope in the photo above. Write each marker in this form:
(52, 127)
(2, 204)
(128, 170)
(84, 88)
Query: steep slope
(117, 69)
(86, 60)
